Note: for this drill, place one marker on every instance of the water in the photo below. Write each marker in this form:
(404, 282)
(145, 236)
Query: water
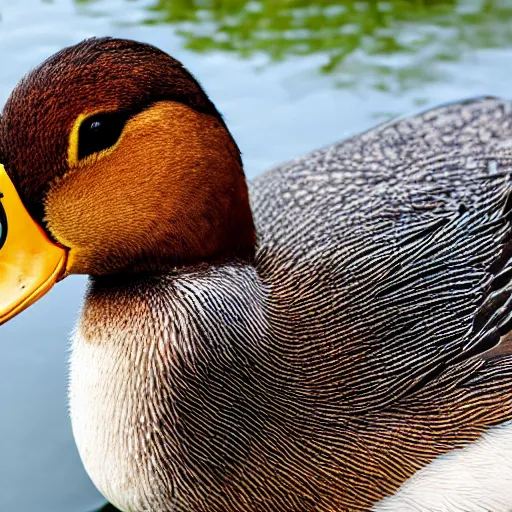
(289, 76)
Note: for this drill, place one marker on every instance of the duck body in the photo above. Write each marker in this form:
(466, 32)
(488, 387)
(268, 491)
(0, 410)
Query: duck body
(335, 337)
(367, 339)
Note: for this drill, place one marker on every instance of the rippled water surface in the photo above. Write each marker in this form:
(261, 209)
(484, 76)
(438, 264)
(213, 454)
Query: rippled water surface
(289, 76)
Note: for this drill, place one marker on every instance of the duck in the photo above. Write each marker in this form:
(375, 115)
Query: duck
(333, 336)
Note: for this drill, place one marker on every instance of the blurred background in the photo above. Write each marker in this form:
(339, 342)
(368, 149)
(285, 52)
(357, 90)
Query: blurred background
(289, 76)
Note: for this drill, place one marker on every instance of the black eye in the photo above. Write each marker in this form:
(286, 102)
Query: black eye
(3, 224)
(99, 132)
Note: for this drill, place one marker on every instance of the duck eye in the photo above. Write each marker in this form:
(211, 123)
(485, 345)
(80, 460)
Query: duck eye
(100, 132)
(3, 224)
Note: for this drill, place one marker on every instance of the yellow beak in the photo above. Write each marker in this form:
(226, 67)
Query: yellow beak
(30, 264)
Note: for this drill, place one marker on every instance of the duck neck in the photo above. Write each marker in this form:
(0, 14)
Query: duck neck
(166, 376)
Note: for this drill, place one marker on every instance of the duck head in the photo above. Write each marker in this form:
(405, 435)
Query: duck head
(115, 161)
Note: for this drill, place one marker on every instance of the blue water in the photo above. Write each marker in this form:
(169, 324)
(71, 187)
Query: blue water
(276, 109)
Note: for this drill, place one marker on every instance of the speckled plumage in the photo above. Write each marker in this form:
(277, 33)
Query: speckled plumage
(369, 337)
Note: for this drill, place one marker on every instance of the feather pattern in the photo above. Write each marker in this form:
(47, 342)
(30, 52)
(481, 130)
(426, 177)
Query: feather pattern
(368, 338)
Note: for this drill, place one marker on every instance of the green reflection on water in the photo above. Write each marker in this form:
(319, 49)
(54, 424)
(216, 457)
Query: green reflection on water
(393, 45)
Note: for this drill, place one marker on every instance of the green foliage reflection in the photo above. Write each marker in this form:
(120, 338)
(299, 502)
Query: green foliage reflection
(356, 38)
(393, 44)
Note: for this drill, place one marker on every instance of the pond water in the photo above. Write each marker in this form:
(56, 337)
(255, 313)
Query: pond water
(289, 76)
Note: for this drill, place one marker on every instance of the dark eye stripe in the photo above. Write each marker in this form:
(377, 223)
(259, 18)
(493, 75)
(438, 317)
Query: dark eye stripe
(100, 132)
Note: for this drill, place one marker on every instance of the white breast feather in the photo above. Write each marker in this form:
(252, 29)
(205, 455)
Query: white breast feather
(477, 478)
